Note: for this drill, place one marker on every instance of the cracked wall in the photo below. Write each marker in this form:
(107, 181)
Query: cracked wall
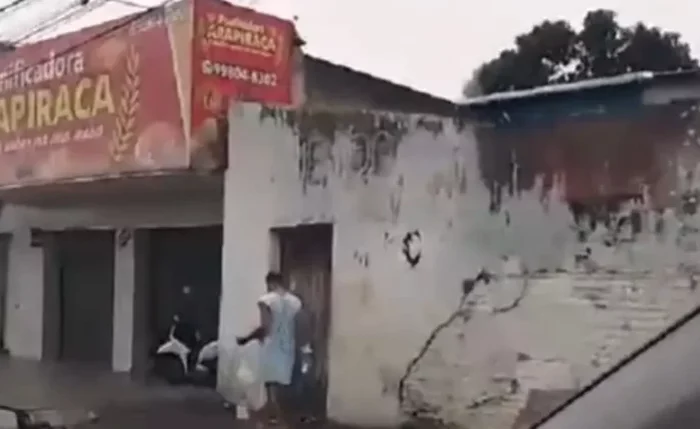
(481, 272)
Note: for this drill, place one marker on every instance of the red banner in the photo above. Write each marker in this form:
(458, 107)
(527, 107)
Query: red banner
(143, 93)
(97, 102)
(239, 54)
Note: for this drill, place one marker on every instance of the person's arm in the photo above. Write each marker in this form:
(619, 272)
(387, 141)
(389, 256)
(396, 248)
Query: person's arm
(260, 332)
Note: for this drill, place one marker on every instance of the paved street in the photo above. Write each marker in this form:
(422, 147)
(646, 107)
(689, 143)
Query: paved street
(118, 401)
(164, 413)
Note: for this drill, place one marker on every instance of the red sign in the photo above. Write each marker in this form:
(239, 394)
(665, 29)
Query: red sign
(144, 93)
(240, 54)
(101, 101)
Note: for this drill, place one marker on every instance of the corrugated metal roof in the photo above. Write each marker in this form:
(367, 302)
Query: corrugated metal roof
(560, 88)
(584, 85)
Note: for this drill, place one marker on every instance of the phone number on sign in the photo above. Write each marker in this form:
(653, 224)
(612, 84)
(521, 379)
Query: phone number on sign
(228, 71)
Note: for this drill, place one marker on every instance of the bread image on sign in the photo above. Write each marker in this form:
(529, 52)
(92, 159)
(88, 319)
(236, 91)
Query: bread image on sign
(211, 98)
(57, 164)
(208, 144)
(122, 142)
(159, 145)
(109, 53)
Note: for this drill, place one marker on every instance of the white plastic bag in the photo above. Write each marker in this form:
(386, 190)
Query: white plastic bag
(240, 382)
(253, 389)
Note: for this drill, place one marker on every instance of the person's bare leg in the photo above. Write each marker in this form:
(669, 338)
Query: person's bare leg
(271, 404)
(257, 417)
(277, 414)
(263, 416)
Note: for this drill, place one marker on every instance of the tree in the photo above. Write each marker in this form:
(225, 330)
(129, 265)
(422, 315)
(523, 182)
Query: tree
(553, 52)
(6, 46)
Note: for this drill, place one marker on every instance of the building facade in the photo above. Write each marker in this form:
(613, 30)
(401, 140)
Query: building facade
(110, 159)
(476, 270)
(108, 215)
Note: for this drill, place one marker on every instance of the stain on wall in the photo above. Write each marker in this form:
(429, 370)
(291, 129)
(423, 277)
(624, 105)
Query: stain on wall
(593, 157)
(577, 231)
(411, 248)
(374, 141)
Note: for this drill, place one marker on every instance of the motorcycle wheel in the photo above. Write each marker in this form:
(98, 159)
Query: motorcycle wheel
(205, 374)
(169, 367)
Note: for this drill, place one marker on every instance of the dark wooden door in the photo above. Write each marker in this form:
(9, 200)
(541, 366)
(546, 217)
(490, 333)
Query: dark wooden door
(306, 260)
(86, 294)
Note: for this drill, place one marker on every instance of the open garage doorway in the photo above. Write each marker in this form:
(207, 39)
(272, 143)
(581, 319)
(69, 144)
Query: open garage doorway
(183, 282)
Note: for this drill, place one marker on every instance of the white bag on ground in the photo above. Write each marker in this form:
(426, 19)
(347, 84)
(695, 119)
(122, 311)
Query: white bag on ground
(239, 379)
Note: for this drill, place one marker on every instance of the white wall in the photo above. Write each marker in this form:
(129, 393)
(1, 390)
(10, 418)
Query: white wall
(543, 323)
(659, 389)
(124, 287)
(25, 297)
(25, 290)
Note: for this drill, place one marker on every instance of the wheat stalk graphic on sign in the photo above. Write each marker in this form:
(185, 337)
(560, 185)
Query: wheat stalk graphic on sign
(125, 130)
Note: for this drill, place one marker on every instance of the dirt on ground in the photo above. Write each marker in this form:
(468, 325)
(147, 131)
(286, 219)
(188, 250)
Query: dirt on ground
(167, 414)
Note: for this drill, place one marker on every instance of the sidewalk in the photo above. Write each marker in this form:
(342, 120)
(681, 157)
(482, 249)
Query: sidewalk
(118, 401)
(186, 413)
(75, 391)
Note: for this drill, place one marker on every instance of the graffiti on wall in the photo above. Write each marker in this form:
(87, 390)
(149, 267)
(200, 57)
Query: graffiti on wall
(316, 160)
(374, 140)
(411, 248)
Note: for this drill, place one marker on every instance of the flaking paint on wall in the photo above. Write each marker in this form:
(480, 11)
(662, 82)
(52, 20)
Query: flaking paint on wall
(531, 276)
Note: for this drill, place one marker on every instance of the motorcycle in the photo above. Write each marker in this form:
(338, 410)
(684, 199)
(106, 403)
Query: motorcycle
(183, 358)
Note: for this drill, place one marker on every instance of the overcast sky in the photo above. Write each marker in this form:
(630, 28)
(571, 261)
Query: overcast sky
(431, 45)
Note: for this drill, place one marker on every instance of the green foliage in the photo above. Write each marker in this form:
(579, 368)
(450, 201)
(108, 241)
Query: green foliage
(553, 52)
(6, 46)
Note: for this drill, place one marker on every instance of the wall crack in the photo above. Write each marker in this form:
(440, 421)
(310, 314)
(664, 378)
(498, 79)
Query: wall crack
(484, 400)
(462, 310)
(516, 302)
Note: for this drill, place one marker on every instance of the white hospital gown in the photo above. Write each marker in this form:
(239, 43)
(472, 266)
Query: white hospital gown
(278, 349)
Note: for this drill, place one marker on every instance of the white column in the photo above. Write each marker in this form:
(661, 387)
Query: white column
(122, 340)
(25, 297)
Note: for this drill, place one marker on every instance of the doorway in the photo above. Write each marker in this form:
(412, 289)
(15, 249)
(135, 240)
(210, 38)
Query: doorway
(179, 258)
(306, 264)
(79, 296)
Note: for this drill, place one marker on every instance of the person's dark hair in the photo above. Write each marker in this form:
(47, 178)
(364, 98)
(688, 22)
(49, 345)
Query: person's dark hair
(274, 278)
